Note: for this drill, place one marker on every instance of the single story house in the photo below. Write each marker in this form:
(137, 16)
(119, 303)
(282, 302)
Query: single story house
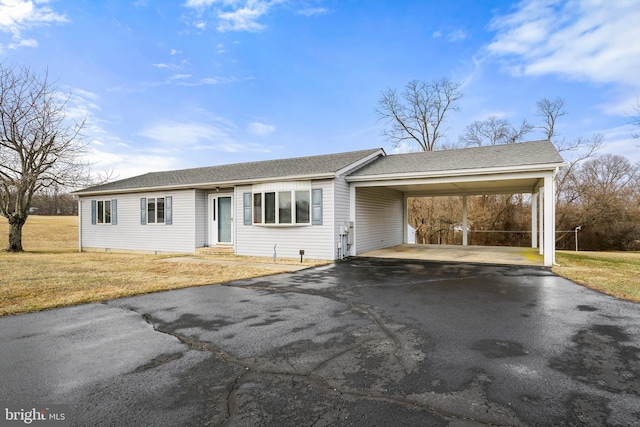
(329, 206)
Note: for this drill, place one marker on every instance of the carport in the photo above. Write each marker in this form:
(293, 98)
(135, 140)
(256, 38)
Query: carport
(380, 190)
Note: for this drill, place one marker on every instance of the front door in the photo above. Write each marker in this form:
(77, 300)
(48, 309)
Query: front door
(222, 220)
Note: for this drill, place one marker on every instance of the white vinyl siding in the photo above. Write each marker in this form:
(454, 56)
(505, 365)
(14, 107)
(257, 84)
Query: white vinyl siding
(379, 218)
(342, 207)
(259, 240)
(129, 234)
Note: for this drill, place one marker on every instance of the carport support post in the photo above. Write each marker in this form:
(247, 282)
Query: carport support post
(549, 220)
(541, 221)
(464, 220)
(534, 220)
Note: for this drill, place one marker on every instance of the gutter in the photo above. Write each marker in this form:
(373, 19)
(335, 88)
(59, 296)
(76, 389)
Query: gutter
(451, 173)
(205, 185)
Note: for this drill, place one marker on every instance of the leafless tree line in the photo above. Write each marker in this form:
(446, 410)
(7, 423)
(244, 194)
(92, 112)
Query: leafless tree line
(599, 193)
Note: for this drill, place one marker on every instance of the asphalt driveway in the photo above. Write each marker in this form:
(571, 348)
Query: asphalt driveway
(365, 342)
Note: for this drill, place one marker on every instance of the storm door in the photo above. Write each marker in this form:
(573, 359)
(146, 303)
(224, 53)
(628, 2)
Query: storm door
(222, 219)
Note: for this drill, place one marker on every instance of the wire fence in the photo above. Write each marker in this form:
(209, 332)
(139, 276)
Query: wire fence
(519, 238)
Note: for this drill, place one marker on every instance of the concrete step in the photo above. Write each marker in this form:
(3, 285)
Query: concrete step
(215, 250)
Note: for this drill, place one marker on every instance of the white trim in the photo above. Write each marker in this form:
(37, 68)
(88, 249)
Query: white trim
(352, 218)
(541, 220)
(465, 240)
(213, 207)
(452, 179)
(208, 185)
(534, 220)
(549, 220)
(80, 224)
(405, 214)
(446, 173)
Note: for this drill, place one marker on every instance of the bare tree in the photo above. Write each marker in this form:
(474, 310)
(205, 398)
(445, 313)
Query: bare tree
(494, 131)
(605, 192)
(550, 111)
(417, 114)
(635, 120)
(39, 146)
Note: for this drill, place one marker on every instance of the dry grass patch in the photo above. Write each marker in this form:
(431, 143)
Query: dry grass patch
(612, 273)
(51, 273)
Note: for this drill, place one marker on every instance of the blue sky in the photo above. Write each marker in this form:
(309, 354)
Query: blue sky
(178, 84)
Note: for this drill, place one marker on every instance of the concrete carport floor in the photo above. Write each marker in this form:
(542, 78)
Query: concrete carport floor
(458, 253)
(364, 342)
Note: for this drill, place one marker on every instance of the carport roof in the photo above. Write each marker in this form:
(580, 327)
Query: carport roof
(535, 154)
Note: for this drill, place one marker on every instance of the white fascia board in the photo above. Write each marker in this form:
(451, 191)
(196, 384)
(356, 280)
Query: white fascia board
(361, 162)
(205, 185)
(455, 173)
(451, 179)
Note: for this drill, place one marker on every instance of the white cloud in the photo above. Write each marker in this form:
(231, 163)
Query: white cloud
(201, 3)
(221, 136)
(452, 36)
(108, 152)
(619, 141)
(186, 134)
(261, 129)
(587, 40)
(16, 16)
(209, 81)
(313, 11)
(456, 35)
(243, 19)
(127, 164)
(180, 77)
(234, 15)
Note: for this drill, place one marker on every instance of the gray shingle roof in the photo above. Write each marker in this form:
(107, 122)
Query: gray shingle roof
(239, 172)
(496, 156)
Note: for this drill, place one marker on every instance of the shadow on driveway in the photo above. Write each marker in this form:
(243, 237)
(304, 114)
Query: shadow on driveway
(364, 342)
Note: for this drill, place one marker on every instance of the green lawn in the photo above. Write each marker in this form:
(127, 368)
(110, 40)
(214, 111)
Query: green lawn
(613, 273)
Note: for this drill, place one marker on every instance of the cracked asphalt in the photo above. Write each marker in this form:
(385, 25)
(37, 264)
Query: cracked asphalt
(364, 342)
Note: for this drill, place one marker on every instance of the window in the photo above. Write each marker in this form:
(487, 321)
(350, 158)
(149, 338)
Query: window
(257, 208)
(283, 207)
(160, 210)
(302, 207)
(104, 211)
(156, 210)
(151, 210)
(269, 208)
